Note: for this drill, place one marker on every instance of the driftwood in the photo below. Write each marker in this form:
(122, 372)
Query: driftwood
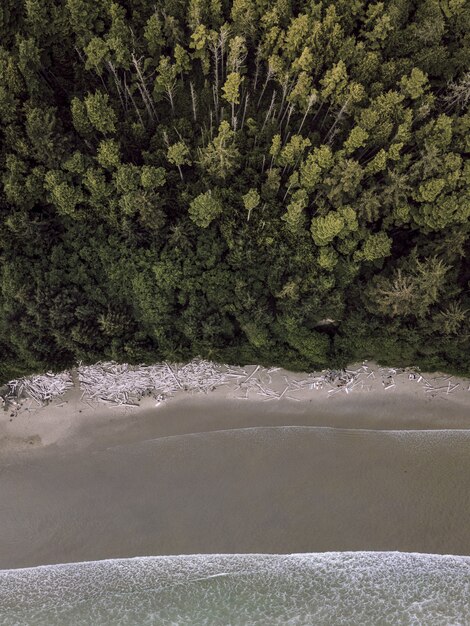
(114, 384)
(41, 388)
(125, 385)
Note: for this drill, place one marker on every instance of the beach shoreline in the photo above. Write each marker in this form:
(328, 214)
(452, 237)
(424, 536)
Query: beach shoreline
(74, 420)
(241, 589)
(318, 469)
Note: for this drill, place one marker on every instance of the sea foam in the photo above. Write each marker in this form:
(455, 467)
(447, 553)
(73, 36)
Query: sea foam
(250, 589)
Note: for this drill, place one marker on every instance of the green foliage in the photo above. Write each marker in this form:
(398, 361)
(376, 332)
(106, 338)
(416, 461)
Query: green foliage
(109, 155)
(325, 228)
(205, 208)
(161, 167)
(221, 156)
(152, 177)
(231, 88)
(414, 85)
(319, 161)
(165, 82)
(64, 196)
(376, 246)
(250, 201)
(411, 291)
(293, 150)
(100, 113)
(294, 215)
(178, 154)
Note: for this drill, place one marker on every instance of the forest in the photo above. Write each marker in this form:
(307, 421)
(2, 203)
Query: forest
(250, 181)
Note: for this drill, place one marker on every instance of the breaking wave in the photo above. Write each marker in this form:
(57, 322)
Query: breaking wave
(251, 589)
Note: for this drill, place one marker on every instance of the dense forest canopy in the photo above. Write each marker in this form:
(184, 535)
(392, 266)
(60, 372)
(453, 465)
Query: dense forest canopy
(272, 181)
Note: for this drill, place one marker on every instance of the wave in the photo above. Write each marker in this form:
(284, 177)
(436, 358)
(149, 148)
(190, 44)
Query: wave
(243, 589)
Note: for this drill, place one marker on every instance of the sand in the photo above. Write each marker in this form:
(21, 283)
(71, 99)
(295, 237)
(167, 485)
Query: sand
(373, 470)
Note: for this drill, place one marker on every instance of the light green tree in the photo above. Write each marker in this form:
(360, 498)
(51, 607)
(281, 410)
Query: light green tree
(80, 118)
(408, 292)
(293, 150)
(84, 17)
(357, 139)
(178, 154)
(237, 53)
(97, 52)
(64, 196)
(205, 208)
(319, 161)
(296, 35)
(244, 16)
(100, 113)
(414, 85)
(165, 83)
(200, 41)
(231, 91)
(376, 246)
(152, 177)
(221, 156)
(327, 258)
(119, 35)
(153, 34)
(127, 178)
(182, 60)
(109, 155)
(294, 216)
(325, 228)
(250, 201)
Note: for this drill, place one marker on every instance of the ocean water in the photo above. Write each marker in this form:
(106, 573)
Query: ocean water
(332, 588)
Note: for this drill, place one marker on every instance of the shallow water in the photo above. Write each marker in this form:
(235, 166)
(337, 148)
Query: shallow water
(302, 589)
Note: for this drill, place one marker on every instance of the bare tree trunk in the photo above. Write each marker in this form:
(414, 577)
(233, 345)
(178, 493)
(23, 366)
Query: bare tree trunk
(326, 115)
(193, 100)
(244, 110)
(214, 99)
(135, 106)
(144, 100)
(269, 75)
(318, 111)
(143, 89)
(223, 35)
(169, 93)
(311, 100)
(256, 69)
(285, 87)
(287, 190)
(289, 111)
(117, 82)
(337, 118)
(269, 110)
(215, 50)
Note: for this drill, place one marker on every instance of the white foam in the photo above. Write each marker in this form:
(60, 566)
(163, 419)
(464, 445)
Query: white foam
(327, 588)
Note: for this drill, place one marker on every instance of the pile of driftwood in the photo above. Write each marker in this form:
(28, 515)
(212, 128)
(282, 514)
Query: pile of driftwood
(259, 381)
(42, 388)
(125, 385)
(438, 385)
(122, 384)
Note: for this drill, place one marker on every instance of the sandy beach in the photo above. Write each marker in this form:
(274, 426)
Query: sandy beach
(368, 470)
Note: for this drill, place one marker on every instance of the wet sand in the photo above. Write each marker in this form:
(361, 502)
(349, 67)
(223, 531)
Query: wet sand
(213, 474)
(275, 490)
